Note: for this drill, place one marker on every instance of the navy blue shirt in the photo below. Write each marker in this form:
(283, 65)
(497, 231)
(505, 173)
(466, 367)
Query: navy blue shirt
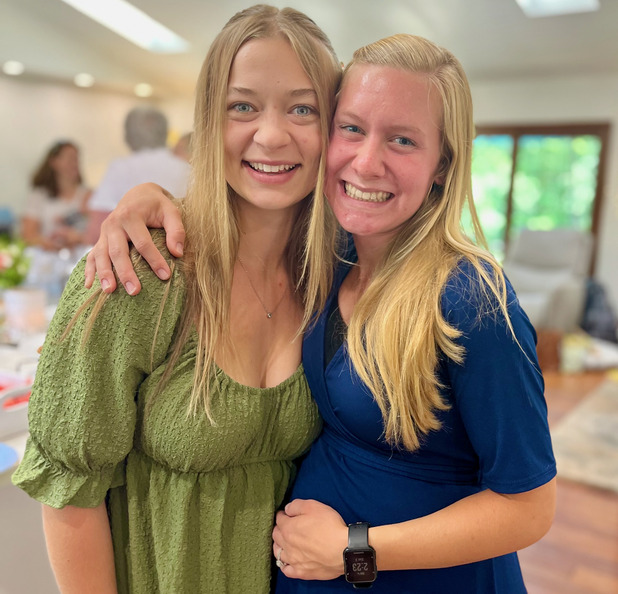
(494, 436)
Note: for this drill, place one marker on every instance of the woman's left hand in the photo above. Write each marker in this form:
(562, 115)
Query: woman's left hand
(309, 539)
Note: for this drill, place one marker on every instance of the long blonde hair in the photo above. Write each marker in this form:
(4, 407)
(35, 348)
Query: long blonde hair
(397, 331)
(211, 225)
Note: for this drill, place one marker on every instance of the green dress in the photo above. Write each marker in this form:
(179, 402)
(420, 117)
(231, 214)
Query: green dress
(191, 505)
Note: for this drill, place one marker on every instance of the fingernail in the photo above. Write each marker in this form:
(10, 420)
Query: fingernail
(179, 248)
(162, 274)
(130, 287)
(105, 284)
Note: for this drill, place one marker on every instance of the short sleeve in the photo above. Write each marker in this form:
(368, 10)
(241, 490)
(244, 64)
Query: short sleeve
(82, 411)
(499, 390)
(35, 204)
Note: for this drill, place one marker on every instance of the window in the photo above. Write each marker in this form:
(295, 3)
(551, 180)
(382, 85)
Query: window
(540, 177)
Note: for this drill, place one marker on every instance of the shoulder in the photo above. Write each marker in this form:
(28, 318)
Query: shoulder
(167, 158)
(37, 201)
(149, 280)
(38, 194)
(467, 297)
(118, 320)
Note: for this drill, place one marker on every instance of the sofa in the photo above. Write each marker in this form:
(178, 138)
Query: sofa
(549, 271)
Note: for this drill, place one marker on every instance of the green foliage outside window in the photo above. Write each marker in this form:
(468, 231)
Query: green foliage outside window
(554, 183)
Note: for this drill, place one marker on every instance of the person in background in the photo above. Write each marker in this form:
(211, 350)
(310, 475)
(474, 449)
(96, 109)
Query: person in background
(56, 209)
(164, 429)
(151, 161)
(435, 462)
(182, 148)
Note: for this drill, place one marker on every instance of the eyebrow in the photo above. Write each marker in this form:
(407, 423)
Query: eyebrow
(294, 93)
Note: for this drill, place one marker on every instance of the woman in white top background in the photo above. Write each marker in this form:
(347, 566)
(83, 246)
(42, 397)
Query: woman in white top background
(56, 209)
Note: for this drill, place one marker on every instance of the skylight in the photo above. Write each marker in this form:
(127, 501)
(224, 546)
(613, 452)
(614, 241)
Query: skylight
(132, 24)
(543, 8)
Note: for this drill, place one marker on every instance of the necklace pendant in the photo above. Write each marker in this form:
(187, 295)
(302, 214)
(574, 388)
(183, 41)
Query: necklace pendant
(269, 314)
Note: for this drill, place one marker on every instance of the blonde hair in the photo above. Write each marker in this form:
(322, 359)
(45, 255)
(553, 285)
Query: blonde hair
(209, 214)
(397, 331)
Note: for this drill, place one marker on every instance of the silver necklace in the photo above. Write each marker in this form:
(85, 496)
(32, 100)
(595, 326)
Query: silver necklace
(269, 313)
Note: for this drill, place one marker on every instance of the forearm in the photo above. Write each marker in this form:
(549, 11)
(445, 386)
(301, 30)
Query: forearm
(80, 550)
(481, 526)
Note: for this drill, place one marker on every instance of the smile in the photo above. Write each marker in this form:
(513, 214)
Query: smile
(266, 168)
(357, 194)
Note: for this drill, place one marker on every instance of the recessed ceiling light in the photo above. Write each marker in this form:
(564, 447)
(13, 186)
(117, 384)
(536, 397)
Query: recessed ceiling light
(83, 79)
(13, 68)
(143, 90)
(132, 24)
(543, 8)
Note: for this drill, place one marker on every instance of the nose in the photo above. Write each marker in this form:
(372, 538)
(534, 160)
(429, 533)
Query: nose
(369, 159)
(272, 131)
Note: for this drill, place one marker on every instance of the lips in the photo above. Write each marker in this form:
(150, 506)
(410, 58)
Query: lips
(357, 194)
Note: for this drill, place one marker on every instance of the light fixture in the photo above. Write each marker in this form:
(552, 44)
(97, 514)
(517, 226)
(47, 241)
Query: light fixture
(13, 68)
(143, 90)
(132, 24)
(543, 8)
(83, 79)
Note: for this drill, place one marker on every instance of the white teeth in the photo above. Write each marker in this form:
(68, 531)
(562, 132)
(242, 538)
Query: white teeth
(270, 168)
(353, 192)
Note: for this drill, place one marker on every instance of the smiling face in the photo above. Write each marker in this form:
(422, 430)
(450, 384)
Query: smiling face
(384, 150)
(272, 135)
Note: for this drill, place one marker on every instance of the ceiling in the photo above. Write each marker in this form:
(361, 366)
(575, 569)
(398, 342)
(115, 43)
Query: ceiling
(492, 38)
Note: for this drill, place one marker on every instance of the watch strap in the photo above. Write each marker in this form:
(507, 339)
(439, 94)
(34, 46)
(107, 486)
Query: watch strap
(358, 535)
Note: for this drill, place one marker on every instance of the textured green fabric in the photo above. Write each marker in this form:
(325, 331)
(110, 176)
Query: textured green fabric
(191, 505)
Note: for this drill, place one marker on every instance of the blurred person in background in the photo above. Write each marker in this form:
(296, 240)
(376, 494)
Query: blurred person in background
(150, 161)
(56, 208)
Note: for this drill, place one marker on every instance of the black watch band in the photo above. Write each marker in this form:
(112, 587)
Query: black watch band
(359, 559)
(358, 535)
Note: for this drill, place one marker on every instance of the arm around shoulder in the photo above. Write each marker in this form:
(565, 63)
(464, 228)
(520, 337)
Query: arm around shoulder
(146, 205)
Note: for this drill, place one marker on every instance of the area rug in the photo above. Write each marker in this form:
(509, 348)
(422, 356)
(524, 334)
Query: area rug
(586, 440)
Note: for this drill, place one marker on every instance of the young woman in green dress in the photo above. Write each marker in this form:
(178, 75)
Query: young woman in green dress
(163, 428)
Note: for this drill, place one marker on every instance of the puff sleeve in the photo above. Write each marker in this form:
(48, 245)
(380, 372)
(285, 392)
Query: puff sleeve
(82, 411)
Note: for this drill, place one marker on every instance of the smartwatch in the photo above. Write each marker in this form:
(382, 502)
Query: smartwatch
(359, 559)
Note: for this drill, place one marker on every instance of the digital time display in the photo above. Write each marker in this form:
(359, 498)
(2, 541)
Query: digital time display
(360, 566)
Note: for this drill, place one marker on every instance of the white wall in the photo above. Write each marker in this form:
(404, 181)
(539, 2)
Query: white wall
(34, 115)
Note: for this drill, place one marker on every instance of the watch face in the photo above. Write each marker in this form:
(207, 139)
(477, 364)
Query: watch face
(360, 566)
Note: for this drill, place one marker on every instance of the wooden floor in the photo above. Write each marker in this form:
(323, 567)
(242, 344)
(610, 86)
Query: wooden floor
(579, 555)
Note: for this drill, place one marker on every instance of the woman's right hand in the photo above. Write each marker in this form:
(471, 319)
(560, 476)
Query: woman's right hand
(144, 206)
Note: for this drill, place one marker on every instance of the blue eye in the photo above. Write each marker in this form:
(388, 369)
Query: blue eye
(303, 110)
(242, 107)
(404, 141)
(351, 128)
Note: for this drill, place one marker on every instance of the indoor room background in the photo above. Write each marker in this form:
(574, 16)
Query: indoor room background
(546, 71)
